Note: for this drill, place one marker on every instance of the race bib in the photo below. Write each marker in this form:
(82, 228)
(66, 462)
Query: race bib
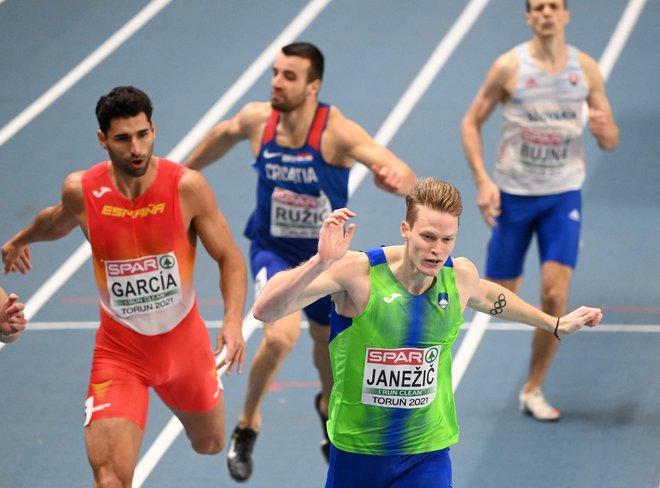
(400, 378)
(297, 216)
(544, 151)
(143, 285)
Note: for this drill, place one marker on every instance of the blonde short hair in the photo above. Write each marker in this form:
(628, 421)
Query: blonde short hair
(434, 194)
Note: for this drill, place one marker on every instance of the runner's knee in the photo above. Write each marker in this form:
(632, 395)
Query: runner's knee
(553, 299)
(279, 343)
(106, 477)
(208, 445)
(319, 333)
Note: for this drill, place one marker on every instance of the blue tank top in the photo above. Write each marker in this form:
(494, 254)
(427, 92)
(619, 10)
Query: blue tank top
(296, 190)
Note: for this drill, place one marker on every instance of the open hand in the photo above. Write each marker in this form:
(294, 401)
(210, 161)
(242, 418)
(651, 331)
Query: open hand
(334, 240)
(16, 258)
(231, 337)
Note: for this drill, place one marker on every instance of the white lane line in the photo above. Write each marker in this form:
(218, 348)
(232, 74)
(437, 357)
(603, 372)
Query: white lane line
(306, 16)
(55, 282)
(617, 42)
(606, 64)
(174, 427)
(491, 327)
(619, 328)
(247, 79)
(468, 348)
(422, 81)
(88, 64)
(381, 136)
(401, 111)
(235, 92)
(389, 128)
(621, 34)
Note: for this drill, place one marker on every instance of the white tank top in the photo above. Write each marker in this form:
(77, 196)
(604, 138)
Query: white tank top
(540, 150)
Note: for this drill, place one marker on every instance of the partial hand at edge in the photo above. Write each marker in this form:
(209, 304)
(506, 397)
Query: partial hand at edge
(388, 179)
(488, 201)
(16, 258)
(578, 318)
(231, 337)
(12, 316)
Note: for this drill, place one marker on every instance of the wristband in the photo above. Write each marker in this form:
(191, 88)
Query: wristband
(557, 328)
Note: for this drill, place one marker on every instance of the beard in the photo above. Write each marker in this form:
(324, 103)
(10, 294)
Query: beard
(127, 168)
(136, 172)
(283, 104)
(280, 106)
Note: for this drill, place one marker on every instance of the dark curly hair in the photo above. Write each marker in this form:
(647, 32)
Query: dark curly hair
(122, 102)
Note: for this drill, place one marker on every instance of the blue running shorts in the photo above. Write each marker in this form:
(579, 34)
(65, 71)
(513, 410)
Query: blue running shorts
(266, 263)
(351, 470)
(555, 219)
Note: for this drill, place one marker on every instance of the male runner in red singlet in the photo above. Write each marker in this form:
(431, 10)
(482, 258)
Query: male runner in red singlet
(12, 319)
(142, 216)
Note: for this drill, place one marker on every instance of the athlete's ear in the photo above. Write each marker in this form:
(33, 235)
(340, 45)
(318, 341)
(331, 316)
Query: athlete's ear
(103, 141)
(315, 87)
(153, 127)
(405, 229)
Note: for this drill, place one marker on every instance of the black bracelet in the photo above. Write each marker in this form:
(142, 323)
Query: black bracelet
(557, 328)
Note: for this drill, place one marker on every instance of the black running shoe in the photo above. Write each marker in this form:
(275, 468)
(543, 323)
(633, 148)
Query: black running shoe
(239, 454)
(325, 442)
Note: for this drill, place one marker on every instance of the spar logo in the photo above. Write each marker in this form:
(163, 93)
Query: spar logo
(396, 357)
(292, 199)
(402, 357)
(167, 261)
(431, 354)
(136, 266)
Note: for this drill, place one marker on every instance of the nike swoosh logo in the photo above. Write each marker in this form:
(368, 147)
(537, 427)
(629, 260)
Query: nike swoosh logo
(101, 192)
(231, 453)
(391, 298)
(270, 155)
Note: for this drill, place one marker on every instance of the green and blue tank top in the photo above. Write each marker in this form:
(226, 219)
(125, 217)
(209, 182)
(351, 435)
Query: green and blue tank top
(392, 367)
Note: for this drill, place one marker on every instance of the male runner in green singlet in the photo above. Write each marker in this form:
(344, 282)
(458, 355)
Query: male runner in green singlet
(397, 312)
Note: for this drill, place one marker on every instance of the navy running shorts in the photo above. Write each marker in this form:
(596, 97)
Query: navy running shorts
(351, 470)
(554, 219)
(265, 264)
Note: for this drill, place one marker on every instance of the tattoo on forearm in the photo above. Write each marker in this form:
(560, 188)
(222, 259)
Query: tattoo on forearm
(498, 306)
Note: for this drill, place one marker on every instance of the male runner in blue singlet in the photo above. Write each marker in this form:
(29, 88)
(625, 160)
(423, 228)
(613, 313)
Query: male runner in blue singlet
(303, 153)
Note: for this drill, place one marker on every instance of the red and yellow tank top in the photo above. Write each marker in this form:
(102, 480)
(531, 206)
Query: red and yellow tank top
(143, 261)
